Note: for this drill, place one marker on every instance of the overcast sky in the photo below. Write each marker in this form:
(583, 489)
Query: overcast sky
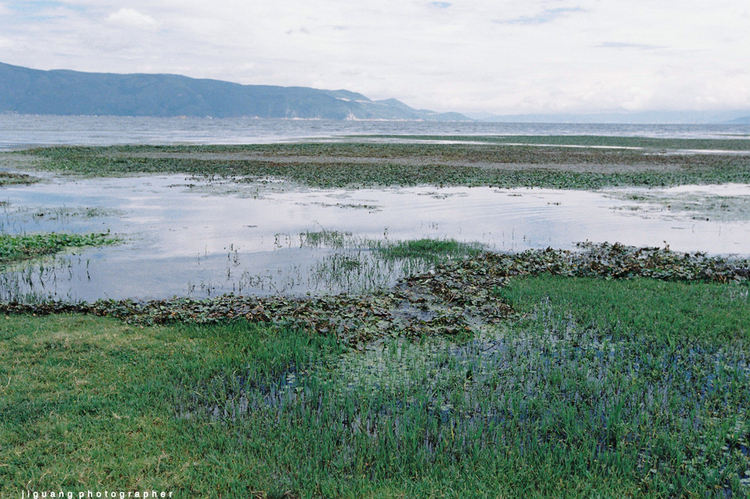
(498, 56)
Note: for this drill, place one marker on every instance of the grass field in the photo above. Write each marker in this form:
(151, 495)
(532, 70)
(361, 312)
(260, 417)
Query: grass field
(597, 388)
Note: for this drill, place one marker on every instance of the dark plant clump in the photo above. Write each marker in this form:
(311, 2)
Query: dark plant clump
(7, 178)
(455, 298)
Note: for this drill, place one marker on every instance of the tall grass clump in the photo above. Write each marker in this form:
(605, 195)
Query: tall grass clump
(15, 248)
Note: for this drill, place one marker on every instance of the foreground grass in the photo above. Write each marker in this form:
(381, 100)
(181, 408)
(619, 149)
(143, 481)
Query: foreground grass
(15, 248)
(373, 164)
(600, 388)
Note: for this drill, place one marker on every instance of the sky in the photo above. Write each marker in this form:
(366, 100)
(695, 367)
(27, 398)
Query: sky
(492, 56)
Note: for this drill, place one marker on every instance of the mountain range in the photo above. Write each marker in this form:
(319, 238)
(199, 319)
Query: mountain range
(64, 92)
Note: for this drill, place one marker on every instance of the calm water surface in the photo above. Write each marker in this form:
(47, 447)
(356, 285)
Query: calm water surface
(188, 237)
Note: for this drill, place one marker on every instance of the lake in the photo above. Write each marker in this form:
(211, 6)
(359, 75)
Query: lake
(191, 237)
(18, 131)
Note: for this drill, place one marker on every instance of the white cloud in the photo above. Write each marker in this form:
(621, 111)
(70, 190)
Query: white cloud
(501, 56)
(133, 19)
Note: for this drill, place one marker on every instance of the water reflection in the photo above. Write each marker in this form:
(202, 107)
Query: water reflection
(191, 237)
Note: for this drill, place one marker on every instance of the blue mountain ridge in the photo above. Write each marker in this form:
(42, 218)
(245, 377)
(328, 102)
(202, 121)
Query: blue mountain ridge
(65, 92)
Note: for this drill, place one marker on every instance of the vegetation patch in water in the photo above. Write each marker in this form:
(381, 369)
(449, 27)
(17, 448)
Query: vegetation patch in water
(436, 250)
(455, 298)
(649, 143)
(355, 165)
(7, 178)
(14, 248)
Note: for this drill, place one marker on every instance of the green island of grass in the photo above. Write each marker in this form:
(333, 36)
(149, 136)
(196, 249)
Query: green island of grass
(16, 248)
(553, 162)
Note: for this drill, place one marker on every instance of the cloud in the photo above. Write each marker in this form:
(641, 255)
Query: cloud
(133, 19)
(546, 16)
(507, 57)
(619, 45)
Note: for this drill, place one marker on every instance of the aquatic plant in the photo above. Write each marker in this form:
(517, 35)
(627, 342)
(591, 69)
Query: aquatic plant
(381, 164)
(458, 297)
(14, 248)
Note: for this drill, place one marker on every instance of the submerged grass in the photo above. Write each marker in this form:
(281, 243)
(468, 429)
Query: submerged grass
(15, 248)
(365, 265)
(372, 164)
(599, 388)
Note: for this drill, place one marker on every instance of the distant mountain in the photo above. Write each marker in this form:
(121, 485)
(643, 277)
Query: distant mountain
(31, 91)
(635, 117)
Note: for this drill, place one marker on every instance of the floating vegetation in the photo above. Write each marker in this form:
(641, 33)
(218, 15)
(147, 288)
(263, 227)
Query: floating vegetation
(379, 164)
(360, 206)
(19, 216)
(66, 213)
(458, 297)
(14, 248)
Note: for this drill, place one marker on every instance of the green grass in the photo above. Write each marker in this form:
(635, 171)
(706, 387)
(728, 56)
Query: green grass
(599, 388)
(15, 248)
(373, 165)
(432, 250)
(676, 313)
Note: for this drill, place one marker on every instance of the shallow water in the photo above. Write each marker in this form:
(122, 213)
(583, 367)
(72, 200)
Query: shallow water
(190, 237)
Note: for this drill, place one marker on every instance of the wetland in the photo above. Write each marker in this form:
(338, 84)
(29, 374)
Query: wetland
(376, 316)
